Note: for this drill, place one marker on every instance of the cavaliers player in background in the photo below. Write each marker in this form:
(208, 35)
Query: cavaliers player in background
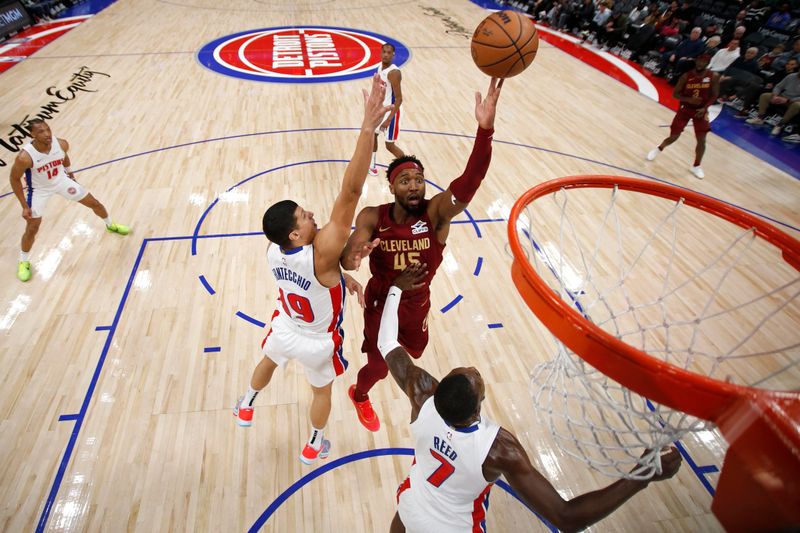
(390, 127)
(696, 90)
(46, 167)
(307, 323)
(459, 453)
(411, 229)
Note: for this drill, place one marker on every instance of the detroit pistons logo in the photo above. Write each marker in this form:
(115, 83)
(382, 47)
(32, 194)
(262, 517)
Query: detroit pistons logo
(313, 54)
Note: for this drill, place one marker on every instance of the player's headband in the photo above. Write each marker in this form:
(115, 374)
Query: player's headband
(401, 167)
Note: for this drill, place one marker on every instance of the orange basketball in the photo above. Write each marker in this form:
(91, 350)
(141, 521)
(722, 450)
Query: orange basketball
(504, 44)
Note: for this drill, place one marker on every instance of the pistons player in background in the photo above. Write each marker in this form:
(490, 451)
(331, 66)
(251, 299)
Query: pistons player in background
(459, 453)
(390, 127)
(45, 165)
(696, 90)
(412, 229)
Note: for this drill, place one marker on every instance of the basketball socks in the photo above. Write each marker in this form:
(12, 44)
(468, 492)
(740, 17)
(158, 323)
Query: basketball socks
(24, 256)
(249, 397)
(374, 159)
(315, 441)
(108, 221)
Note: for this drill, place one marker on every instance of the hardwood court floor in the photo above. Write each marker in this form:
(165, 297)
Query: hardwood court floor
(130, 428)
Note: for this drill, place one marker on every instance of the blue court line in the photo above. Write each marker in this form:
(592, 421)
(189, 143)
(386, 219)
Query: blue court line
(64, 418)
(62, 467)
(449, 306)
(250, 319)
(495, 325)
(478, 266)
(212, 349)
(102, 328)
(358, 456)
(443, 134)
(207, 285)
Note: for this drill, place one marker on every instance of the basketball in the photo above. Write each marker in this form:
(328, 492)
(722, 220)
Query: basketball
(504, 44)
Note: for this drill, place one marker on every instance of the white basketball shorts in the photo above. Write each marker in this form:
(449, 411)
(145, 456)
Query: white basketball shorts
(37, 197)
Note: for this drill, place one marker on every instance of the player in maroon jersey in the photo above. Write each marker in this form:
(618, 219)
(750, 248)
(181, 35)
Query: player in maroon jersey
(411, 229)
(696, 90)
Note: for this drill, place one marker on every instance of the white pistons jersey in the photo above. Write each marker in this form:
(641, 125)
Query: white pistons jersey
(384, 74)
(47, 169)
(311, 307)
(446, 491)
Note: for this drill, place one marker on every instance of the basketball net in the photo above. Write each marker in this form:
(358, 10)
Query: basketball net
(681, 285)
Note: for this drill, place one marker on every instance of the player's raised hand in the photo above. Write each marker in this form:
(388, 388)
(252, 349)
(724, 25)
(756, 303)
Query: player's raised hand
(485, 108)
(670, 463)
(360, 251)
(355, 288)
(374, 110)
(413, 277)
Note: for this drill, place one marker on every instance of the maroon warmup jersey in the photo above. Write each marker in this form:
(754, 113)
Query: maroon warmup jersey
(401, 244)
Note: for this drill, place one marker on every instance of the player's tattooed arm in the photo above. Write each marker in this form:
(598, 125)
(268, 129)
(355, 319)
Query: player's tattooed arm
(21, 163)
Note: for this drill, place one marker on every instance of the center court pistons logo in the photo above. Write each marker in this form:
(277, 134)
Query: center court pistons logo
(297, 54)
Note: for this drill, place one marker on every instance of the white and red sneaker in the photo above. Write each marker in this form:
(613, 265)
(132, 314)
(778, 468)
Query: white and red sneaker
(373, 171)
(244, 415)
(309, 454)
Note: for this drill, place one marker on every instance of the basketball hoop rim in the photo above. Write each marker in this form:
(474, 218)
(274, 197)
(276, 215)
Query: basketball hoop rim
(706, 397)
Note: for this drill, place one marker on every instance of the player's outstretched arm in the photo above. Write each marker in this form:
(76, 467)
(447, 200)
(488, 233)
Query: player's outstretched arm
(331, 239)
(455, 199)
(21, 163)
(508, 458)
(415, 382)
(359, 244)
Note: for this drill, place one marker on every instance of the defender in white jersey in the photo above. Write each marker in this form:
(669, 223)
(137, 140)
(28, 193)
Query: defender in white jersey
(390, 126)
(304, 261)
(45, 166)
(459, 454)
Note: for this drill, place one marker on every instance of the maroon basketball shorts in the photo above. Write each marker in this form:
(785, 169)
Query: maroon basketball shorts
(412, 331)
(682, 118)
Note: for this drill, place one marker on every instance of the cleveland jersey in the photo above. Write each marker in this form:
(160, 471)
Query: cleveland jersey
(698, 85)
(402, 244)
(445, 491)
(47, 169)
(311, 307)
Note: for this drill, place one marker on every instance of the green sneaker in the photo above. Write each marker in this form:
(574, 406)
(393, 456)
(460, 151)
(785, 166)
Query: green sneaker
(24, 270)
(118, 228)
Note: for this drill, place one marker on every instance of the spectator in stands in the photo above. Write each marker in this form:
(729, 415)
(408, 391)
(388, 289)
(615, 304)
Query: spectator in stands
(599, 20)
(754, 15)
(667, 15)
(584, 15)
(682, 57)
(638, 14)
(749, 94)
(669, 28)
(723, 58)
(785, 94)
(738, 34)
(730, 27)
(766, 60)
(685, 13)
(742, 74)
(615, 29)
(782, 59)
(780, 19)
(712, 44)
(711, 30)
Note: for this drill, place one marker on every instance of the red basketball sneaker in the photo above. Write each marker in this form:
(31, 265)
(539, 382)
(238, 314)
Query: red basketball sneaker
(366, 415)
(244, 415)
(309, 454)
